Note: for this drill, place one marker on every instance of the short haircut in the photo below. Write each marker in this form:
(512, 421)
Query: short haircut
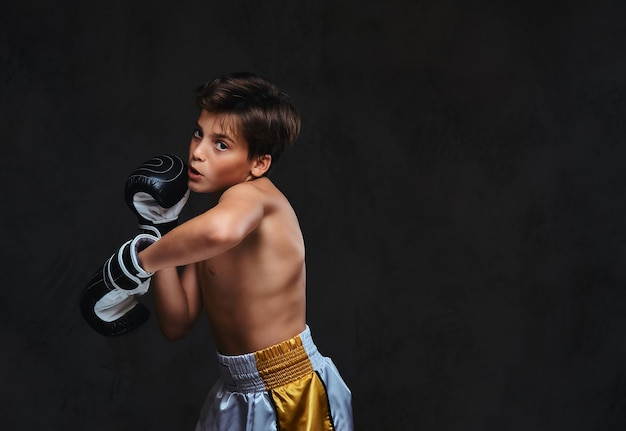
(264, 116)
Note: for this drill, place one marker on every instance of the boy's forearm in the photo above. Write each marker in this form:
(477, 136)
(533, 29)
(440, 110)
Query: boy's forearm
(196, 240)
(238, 212)
(171, 304)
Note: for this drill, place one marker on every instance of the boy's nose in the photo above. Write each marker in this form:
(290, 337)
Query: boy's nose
(197, 153)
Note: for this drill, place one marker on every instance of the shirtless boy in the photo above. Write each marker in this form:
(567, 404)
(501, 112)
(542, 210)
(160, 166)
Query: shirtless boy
(243, 262)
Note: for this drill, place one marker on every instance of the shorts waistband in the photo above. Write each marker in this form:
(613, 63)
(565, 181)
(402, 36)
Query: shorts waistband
(272, 367)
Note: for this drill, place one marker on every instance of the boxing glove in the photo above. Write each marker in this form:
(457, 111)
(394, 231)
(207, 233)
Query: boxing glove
(108, 302)
(157, 192)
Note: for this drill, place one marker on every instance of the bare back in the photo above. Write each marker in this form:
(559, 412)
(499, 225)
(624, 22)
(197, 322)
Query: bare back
(254, 293)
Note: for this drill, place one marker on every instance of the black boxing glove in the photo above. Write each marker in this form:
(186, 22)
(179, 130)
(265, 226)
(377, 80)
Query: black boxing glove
(157, 192)
(108, 302)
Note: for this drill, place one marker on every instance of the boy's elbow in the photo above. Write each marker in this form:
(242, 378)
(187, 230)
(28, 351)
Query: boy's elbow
(223, 235)
(173, 337)
(174, 333)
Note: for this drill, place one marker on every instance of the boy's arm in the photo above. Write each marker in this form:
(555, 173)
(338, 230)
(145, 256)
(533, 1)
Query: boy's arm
(177, 301)
(238, 212)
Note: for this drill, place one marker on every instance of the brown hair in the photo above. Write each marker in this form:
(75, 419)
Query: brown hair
(265, 117)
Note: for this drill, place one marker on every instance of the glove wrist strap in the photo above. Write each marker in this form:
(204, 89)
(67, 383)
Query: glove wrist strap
(123, 270)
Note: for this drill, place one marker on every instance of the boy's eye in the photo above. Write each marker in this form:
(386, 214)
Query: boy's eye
(197, 134)
(221, 146)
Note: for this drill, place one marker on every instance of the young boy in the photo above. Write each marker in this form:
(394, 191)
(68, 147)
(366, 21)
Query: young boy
(244, 265)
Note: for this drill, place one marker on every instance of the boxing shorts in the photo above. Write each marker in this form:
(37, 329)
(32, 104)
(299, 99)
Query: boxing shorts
(288, 386)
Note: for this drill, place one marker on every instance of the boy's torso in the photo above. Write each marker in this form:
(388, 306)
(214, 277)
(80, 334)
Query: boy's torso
(254, 293)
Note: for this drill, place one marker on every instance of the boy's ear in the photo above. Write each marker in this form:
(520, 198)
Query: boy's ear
(261, 165)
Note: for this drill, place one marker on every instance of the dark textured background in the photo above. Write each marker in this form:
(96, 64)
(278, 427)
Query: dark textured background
(459, 181)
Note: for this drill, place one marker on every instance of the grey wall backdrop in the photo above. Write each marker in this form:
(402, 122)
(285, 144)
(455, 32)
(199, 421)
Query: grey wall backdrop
(459, 181)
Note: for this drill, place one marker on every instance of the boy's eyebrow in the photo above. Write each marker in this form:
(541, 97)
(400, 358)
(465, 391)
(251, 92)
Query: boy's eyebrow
(221, 135)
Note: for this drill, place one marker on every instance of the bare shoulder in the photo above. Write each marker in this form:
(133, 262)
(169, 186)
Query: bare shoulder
(260, 191)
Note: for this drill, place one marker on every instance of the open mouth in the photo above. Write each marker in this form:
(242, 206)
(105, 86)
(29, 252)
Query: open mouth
(193, 172)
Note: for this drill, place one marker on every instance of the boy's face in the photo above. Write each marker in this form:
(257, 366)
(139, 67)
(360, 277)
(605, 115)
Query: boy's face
(218, 156)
